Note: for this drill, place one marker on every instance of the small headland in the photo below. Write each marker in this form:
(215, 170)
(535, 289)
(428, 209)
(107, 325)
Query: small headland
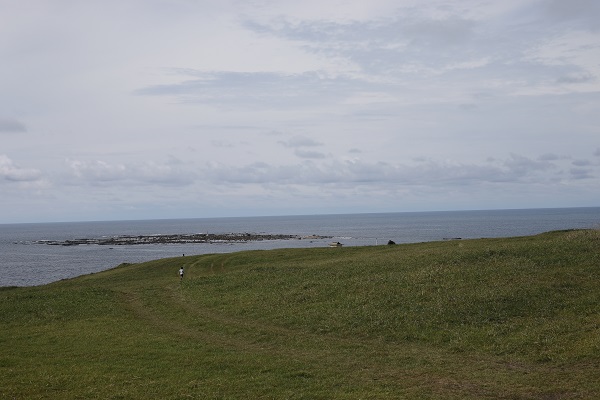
(503, 318)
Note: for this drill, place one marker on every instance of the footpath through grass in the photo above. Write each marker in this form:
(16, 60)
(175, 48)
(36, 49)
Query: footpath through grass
(514, 318)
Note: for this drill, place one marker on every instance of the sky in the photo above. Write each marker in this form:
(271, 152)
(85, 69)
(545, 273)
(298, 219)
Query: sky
(151, 109)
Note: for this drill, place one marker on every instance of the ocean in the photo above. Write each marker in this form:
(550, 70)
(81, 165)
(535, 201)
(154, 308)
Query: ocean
(25, 262)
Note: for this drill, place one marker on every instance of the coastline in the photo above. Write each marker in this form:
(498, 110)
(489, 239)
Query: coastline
(25, 261)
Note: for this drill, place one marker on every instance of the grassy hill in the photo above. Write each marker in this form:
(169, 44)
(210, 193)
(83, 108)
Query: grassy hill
(515, 318)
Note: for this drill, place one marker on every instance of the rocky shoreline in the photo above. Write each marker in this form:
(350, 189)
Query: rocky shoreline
(125, 240)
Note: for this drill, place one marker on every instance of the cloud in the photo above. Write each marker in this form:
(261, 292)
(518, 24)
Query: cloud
(222, 144)
(251, 88)
(446, 32)
(521, 166)
(383, 45)
(586, 11)
(11, 172)
(582, 77)
(550, 157)
(413, 56)
(309, 154)
(400, 29)
(582, 163)
(424, 172)
(408, 57)
(8, 125)
(445, 46)
(97, 172)
(581, 173)
(300, 141)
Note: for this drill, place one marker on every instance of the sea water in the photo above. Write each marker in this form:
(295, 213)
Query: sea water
(25, 262)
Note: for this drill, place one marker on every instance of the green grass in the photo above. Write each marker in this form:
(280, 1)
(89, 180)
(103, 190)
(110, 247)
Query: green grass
(515, 318)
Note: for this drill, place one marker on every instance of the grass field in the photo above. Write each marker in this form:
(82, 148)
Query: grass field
(515, 318)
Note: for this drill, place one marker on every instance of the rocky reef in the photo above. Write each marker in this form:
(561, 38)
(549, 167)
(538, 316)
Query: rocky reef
(123, 240)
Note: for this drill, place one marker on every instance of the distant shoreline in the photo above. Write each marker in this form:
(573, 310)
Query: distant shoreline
(22, 265)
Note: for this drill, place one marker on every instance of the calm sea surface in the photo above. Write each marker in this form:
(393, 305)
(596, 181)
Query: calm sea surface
(25, 263)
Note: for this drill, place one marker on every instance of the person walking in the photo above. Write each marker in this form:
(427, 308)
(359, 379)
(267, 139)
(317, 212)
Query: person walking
(181, 273)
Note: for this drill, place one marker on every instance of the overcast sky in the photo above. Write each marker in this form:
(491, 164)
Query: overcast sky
(148, 109)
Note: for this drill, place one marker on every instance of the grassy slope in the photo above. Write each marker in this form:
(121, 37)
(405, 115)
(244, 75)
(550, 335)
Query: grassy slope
(491, 318)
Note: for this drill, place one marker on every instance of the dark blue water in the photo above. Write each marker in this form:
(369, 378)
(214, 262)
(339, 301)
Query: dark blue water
(24, 263)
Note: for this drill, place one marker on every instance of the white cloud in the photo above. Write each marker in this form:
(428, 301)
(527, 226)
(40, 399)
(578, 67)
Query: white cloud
(11, 172)
(255, 89)
(423, 172)
(98, 172)
(10, 125)
(309, 154)
(582, 11)
(300, 141)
